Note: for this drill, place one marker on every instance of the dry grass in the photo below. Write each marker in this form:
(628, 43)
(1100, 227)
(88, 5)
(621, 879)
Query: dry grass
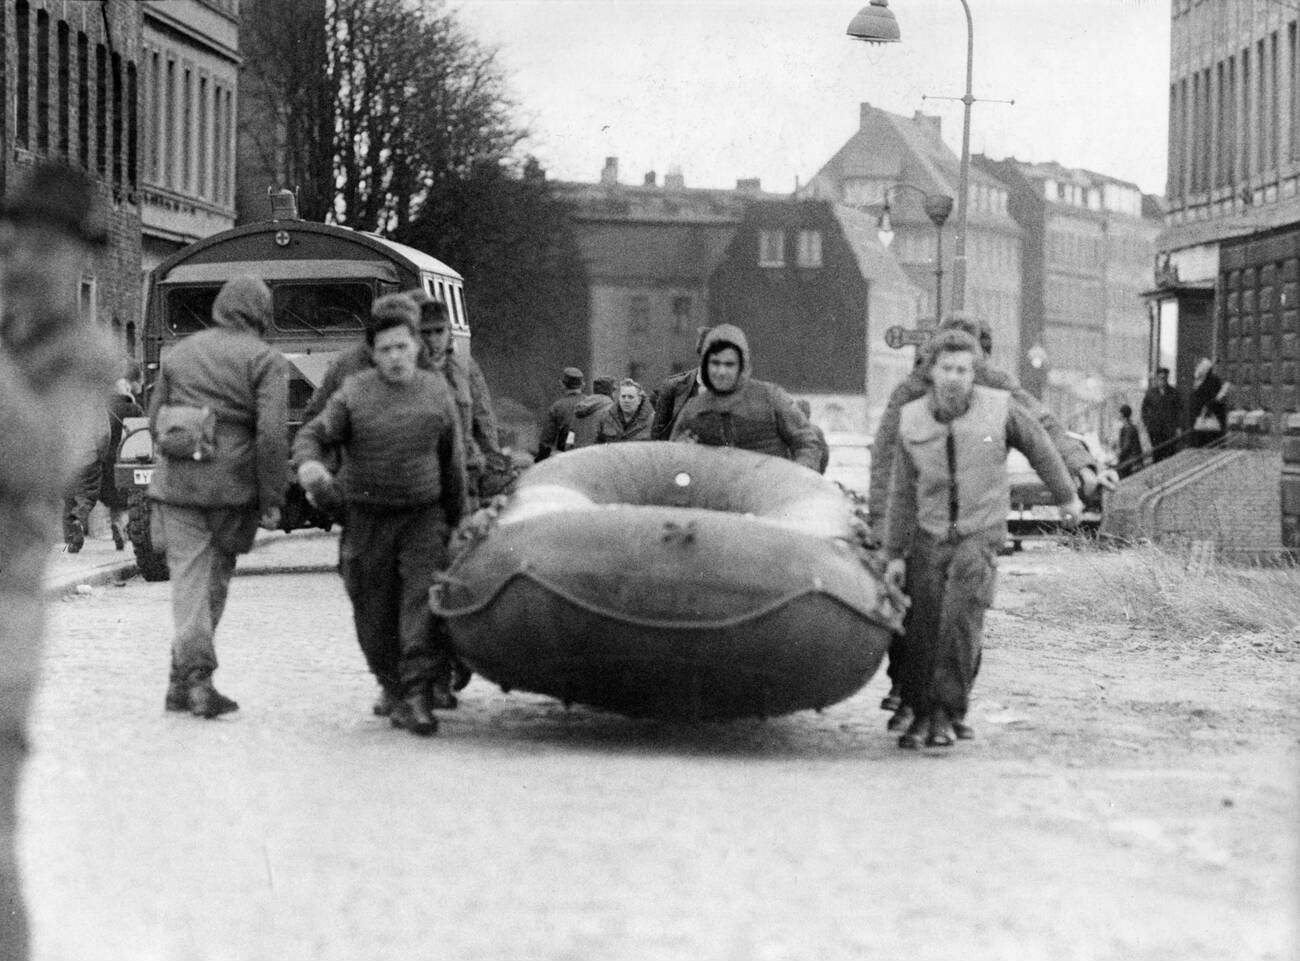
(1182, 597)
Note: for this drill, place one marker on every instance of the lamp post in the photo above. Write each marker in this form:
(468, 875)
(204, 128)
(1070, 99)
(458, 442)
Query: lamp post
(937, 207)
(875, 23)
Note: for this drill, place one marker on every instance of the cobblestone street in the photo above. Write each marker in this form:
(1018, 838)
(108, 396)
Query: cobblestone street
(1079, 825)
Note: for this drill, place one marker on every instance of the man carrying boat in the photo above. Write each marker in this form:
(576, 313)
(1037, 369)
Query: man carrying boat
(734, 410)
(946, 520)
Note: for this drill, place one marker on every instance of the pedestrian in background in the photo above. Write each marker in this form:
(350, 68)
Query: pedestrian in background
(553, 436)
(54, 376)
(403, 478)
(673, 392)
(120, 406)
(1208, 407)
(630, 418)
(1130, 455)
(587, 414)
(1162, 413)
(218, 414)
(806, 408)
(946, 521)
(735, 410)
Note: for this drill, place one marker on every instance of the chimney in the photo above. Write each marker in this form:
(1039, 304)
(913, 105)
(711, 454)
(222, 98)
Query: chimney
(649, 178)
(749, 185)
(865, 112)
(609, 175)
(674, 180)
(926, 120)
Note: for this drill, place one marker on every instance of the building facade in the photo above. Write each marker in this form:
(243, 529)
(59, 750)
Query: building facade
(189, 105)
(807, 280)
(69, 92)
(1089, 242)
(1228, 266)
(889, 150)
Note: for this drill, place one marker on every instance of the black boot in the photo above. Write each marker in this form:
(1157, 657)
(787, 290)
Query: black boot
(75, 537)
(941, 732)
(911, 739)
(894, 700)
(412, 713)
(385, 702)
(204, 699)
(900, 720)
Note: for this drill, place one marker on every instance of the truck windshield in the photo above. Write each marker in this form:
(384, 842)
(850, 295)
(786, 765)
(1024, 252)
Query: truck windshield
(322, 307)
(189, 309)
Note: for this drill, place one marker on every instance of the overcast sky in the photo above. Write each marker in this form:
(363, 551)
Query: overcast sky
(726, 89)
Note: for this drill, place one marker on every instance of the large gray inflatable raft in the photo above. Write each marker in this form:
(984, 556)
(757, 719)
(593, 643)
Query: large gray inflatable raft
(671, 580)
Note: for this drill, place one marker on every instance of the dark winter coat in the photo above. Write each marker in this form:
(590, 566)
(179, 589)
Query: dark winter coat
(554, 433)
(586, 419)
(245, 382)
(755, 415)
(668, 399)
(1162, 411)
(615, 426)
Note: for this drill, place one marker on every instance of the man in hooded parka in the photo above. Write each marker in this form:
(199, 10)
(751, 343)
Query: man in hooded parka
(226, 381)
(735, 410)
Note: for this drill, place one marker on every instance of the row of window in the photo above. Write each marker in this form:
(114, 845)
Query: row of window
(1226, 121)
(189, 127)
(84, 100)
(772, 248)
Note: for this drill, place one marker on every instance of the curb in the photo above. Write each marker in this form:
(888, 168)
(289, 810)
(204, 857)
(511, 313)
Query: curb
(112, 572)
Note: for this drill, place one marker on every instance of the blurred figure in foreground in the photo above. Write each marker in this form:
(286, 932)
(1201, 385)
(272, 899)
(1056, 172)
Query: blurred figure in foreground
(54, 377)
(806, 407)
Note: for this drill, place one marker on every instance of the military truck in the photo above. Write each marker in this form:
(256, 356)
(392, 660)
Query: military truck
(323, 280)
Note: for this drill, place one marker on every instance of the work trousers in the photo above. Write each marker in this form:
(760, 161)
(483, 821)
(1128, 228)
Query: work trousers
(951, 584)
(80, 497)
(388, 558)
(201, 544)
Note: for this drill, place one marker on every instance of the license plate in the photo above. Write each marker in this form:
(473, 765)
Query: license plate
(1045, 512)
(142, 475)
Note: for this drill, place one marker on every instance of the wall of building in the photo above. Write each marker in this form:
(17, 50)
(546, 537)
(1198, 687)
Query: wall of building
(69, 93)
(188, 129)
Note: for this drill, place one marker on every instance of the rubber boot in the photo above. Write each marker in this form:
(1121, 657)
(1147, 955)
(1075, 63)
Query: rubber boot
(204, 699)
(894, 700)
(911, 739)
(900, 720)
(384, 704)
(941, 732)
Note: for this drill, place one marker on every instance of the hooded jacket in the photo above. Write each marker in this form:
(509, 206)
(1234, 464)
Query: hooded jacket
(754, 415)
(230, 369)
(615, 426)
(586, 419)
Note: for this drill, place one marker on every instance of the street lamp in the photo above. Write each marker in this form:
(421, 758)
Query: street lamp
(875, 23)
(937, 207)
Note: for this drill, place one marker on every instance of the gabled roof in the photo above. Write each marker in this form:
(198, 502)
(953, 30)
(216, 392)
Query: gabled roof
(876, 264)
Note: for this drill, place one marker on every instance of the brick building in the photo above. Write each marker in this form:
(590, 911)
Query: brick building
(1089, 242)
(1228, 274)
(190, 69)
(888, 149)
(69, 90)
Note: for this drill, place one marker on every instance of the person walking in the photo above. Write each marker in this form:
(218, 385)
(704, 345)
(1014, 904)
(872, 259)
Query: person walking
(54, 375)
(1078, 459)
(629, 419)
(218, 414)
(120, 406)
(553, 435)
(946, 521)
(1162, 412)
(735, 410)
(397, 427)
(1130, 455)
(1208, 407)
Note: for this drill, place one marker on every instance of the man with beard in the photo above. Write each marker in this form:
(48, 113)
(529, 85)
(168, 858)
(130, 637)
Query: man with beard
(734, 410)
(946, 520)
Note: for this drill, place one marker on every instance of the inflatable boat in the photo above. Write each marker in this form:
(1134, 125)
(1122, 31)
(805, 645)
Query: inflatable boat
(671, 580)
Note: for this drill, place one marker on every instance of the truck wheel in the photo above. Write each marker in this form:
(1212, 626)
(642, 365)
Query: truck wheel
(151, 563)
